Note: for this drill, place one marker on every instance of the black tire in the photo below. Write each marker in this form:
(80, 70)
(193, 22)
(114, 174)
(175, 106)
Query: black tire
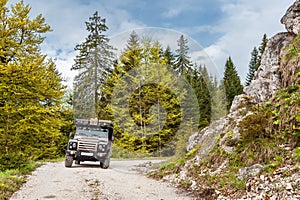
(68, 161)
(77, 162)
(105, 163)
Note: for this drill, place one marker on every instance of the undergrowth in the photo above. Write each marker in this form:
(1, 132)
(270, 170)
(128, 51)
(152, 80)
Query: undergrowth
(11, 180)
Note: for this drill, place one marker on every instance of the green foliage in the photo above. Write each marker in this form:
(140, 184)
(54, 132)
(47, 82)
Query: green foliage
(277, 122)
(30, 90)
(182, 63)
(253, 126)
(255, 60)
(151, 103)
(273, 124)
(155, 103)
(169, 57)
(268, 103)
(218, 104)
(229, 133)
(199, 80)
(168, 167)
(294, 48)
(232, 83)
(229, 179)
(269, 135)
(186, 183)
(68, 126)
(95, 62)
(252, 66)
(261, 49)
(11, 180)
(191, 153)
(297, 153)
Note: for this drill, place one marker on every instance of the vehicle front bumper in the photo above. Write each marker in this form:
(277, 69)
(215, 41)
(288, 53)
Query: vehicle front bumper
(86, 156)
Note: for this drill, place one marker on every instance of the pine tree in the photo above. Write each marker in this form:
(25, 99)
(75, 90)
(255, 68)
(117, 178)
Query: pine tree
(133, 41)
(169, 57)
(254, 62)
(131, 58)
(232, 82)
(261, 49)
(94, 62)
(30, 89)
(218, 101)
(200, 82)
(182, 63)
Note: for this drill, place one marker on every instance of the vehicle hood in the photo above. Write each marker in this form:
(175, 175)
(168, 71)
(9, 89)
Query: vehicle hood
(93, 138)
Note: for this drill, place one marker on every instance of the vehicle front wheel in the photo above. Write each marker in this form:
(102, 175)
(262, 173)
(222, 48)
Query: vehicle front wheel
(105, 163)
(68, 161)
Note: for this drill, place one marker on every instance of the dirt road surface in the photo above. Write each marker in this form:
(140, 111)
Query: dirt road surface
(89, 182)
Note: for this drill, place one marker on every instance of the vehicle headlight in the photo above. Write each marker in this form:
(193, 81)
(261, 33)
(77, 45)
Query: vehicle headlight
(72, 145)
(101, 147)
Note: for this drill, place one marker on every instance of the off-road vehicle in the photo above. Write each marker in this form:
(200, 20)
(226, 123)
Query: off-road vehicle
(91, 142)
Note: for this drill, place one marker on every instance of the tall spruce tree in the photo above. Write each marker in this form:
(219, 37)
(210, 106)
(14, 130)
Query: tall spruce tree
(218, 101)
(133, 41)
(182, 62)
(200, 82)
(232, 82)
(169, 57)
(30, 89)
(131, 57)
(94, 63)
(254, 62)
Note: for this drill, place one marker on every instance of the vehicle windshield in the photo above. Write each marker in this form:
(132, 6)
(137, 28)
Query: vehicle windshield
(103, 133)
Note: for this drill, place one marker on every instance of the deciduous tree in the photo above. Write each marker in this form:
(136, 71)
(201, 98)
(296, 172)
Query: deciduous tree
(31, 89)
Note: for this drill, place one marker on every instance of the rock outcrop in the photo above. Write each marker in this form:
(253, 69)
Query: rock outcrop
(270, 77)
(291, 19)
(275, 72)
(267, 78)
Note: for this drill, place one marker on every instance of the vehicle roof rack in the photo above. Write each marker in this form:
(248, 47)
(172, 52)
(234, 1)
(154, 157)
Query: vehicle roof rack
(93, 122)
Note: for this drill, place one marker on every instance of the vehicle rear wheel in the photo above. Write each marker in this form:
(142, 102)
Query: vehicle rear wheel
(105, 163)
(68, 161)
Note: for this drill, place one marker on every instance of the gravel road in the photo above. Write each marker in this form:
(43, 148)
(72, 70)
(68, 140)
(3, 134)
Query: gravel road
(89, 182)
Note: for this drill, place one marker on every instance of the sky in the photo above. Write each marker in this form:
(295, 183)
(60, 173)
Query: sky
(218, 28)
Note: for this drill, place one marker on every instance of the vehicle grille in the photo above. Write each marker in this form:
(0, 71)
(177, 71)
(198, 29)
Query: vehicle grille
(87, 145)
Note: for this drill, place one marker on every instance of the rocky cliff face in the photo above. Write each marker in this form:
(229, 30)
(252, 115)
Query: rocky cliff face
(275, 72)
(272, 75)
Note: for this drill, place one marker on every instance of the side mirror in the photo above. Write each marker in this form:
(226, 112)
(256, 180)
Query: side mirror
(71, 135)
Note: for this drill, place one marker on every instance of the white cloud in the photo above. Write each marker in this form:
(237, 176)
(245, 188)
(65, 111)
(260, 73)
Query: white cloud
(67, 19)
(172, 12)
(244, 25)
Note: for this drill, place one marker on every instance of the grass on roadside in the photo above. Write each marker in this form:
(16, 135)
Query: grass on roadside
(11, 180)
